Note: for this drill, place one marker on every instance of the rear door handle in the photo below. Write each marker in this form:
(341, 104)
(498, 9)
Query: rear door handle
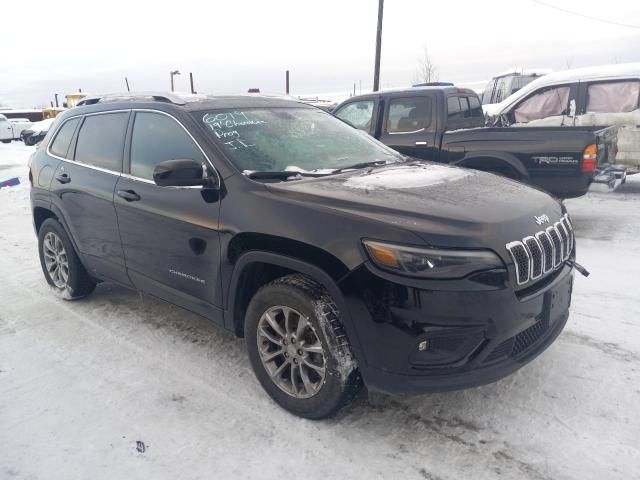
(63, 178)
(422, 143)
(129, 195)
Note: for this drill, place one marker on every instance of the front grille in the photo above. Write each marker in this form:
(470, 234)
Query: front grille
(542, 252)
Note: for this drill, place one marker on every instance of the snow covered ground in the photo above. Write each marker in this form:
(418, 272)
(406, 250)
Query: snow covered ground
(125, 386)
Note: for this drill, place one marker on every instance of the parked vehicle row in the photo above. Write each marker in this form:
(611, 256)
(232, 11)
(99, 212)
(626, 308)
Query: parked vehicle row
(596, 96)
(341, 261)
(36, 132)
(446, 124)
(505, 84)
(12, 128)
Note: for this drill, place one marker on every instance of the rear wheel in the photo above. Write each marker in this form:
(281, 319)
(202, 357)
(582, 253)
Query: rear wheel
(298, 348)
(60, 264)
(6, 141)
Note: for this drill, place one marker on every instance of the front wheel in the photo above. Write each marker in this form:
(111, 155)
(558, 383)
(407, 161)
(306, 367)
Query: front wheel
(60, 264)
(298, 348)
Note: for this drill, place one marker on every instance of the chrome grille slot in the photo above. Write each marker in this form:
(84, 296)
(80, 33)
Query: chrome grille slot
(547, 248)
(567, 226)
(557, 246)
(520, 260)
(564, 237)
(542, 252)
(536, 256)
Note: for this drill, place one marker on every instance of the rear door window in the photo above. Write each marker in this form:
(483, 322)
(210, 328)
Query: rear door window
(454, 112)
(613, 97)
(476, 108)
(359, 114)
(101, 140)
(60, 145)
(408, 115)
(549, 102)
(157, 138)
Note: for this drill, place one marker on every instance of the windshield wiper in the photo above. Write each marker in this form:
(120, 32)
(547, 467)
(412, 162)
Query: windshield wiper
(356, 166)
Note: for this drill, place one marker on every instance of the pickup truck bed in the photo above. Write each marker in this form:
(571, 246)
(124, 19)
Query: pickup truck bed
(551, 158)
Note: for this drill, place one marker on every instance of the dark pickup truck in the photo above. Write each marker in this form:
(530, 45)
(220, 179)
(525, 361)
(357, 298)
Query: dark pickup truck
(446, 124)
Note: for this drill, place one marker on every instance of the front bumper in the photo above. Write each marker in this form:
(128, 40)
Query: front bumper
(472, 336)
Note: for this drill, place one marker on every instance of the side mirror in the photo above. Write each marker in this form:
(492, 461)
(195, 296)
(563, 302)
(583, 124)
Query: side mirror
(182, 173)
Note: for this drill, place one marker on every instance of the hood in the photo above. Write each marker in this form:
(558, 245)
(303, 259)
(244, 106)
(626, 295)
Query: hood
(445, 206)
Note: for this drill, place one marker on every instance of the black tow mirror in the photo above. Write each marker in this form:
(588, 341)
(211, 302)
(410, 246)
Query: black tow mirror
(182, 173)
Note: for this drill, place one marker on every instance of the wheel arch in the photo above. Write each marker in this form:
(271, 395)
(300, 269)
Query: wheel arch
(255, 268)
(40, 214)
(493, 161)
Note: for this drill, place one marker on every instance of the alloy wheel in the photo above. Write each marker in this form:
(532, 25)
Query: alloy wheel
(55, 259)
(291, 351)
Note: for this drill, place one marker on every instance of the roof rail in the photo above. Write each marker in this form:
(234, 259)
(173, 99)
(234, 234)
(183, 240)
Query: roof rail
(133, 96)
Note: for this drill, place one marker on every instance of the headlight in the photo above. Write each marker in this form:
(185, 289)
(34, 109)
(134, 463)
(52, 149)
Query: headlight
(430, 262)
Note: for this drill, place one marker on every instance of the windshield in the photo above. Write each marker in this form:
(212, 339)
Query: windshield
(284, 138)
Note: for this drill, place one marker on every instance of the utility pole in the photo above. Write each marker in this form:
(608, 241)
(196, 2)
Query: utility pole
(287, 82)
(376, 70)
(126, 80)
(56, 95)
(191, 82)
(172, 74)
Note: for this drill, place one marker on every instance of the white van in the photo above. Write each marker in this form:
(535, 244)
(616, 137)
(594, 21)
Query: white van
(602, 96)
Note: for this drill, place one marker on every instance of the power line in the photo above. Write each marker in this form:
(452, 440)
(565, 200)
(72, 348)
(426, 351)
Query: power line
(603, 20)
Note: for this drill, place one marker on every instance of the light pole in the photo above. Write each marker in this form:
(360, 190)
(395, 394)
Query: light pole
(376, 69)
(172, 74)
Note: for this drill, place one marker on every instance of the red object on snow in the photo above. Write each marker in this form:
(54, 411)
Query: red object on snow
(12, 182)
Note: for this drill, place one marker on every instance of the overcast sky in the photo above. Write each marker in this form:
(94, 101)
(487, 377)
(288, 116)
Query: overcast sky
(62, 45)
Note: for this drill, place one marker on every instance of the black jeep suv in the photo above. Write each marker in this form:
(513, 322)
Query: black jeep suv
(340, 261)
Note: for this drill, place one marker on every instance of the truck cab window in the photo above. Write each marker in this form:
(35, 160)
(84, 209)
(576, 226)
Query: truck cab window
(546, 103)
(358, 114)
(613, 97)
(453, 108)
(476, 108)
(408, 115)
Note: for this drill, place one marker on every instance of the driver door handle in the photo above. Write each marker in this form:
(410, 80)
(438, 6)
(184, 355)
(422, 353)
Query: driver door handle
(128, 195)
(63, 178)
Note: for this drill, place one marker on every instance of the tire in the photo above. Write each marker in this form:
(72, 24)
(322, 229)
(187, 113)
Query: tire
(322, 342)
(6, 141)
(72, 282)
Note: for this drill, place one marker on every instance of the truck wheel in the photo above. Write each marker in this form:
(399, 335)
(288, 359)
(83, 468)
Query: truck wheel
(298, 348)
(6, 141)
(60, 264)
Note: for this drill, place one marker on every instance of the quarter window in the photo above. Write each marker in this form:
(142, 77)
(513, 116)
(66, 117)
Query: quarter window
(157, 138)
(60, 145)
(548, 103)
(358, 114)
(408, 115)
(613, 97)
(101, 140)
